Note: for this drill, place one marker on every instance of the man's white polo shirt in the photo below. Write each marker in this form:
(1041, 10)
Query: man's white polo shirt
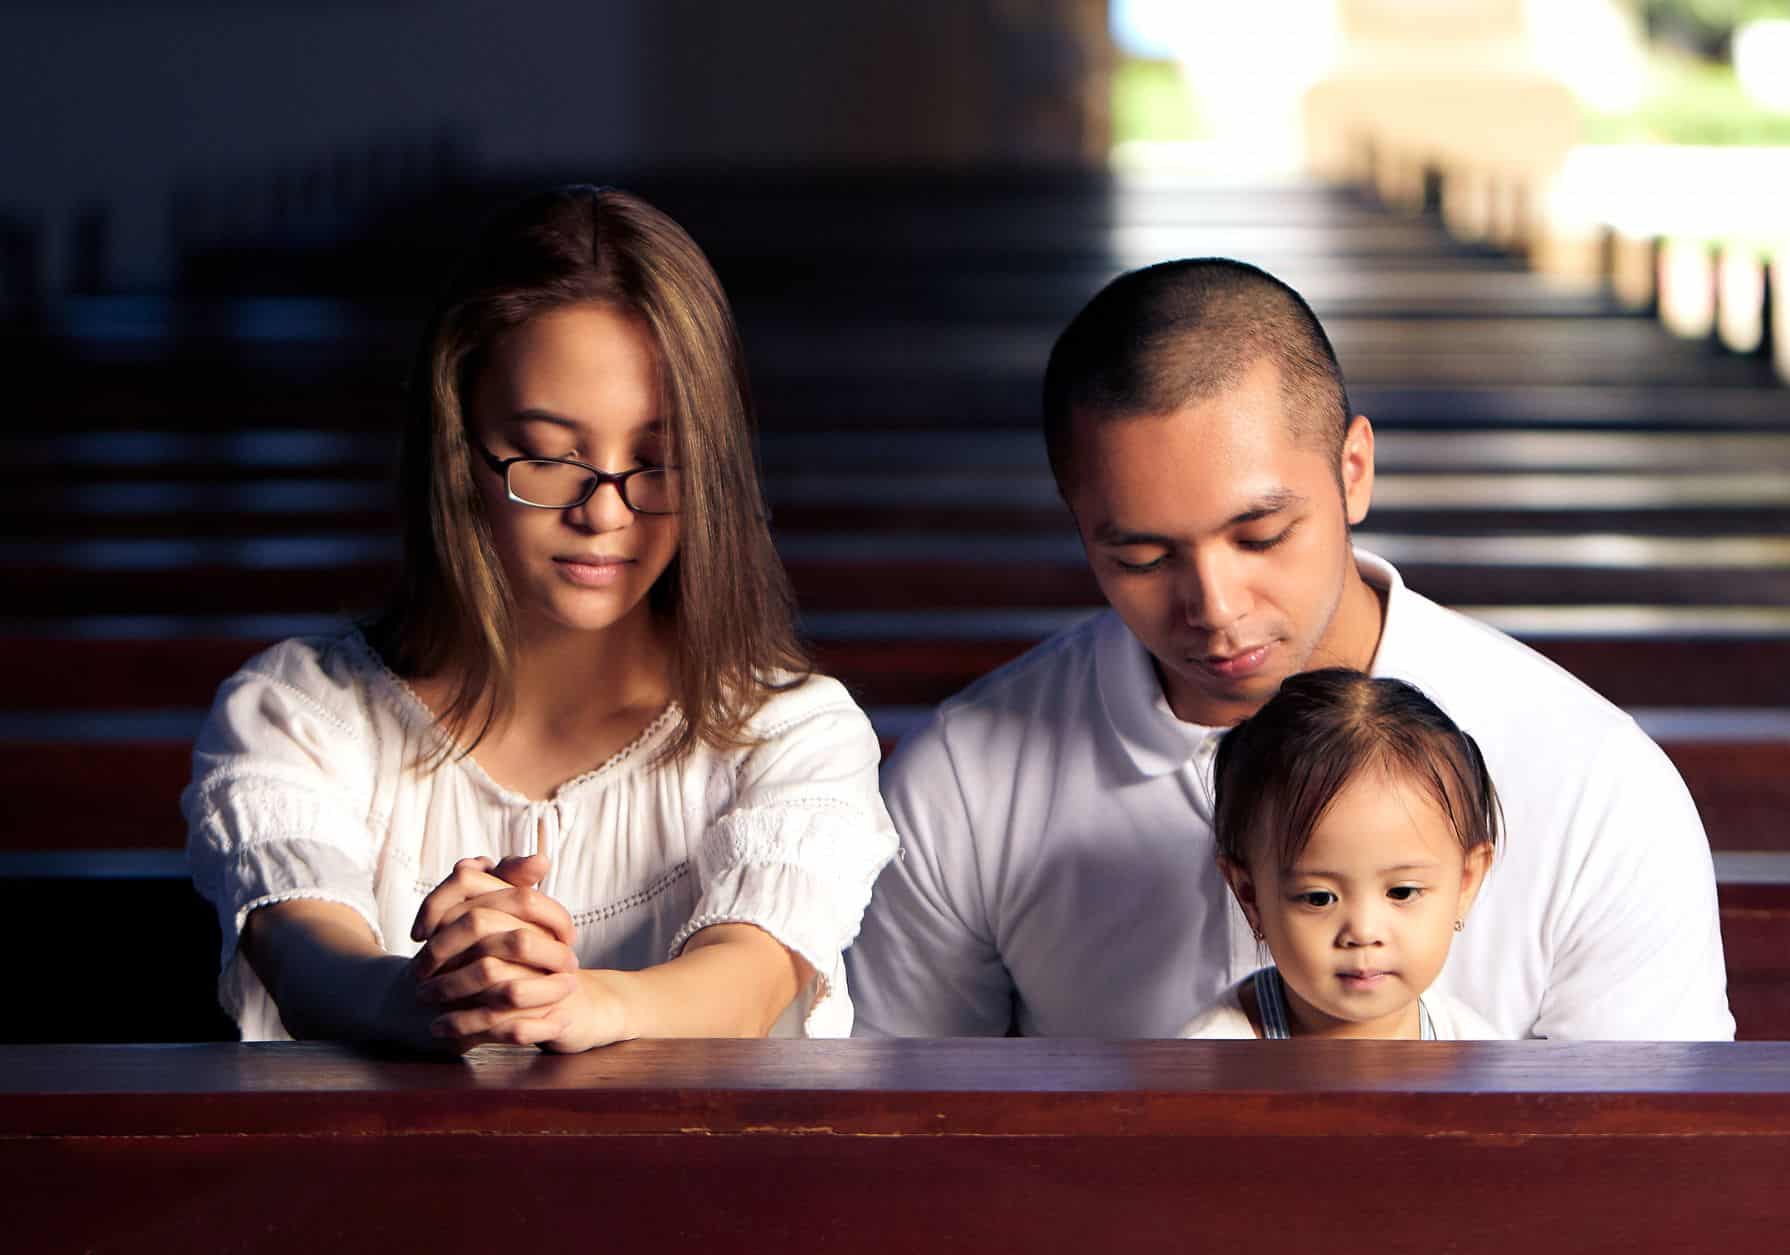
(1057, 865)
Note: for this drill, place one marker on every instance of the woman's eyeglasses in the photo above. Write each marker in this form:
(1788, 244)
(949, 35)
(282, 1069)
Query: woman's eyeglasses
(561, 483)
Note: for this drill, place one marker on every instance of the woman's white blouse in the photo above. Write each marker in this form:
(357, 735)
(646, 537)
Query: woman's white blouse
(304, 786)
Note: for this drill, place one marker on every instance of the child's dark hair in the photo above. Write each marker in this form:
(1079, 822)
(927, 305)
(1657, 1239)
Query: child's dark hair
(1278, 771)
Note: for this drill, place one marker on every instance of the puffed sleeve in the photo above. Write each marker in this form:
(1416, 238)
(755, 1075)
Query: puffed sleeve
(277, 808)
(801, 842)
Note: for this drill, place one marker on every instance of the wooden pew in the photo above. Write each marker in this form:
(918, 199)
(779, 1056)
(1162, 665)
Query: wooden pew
(878, 308)
(81, 794)
(145, 894)
(85, 793)
(355, 573)
(95, 665)
(109, 720)
(951, 1146)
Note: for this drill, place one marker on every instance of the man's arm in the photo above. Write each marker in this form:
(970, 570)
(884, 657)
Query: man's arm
(1639, 953)
(926, 962)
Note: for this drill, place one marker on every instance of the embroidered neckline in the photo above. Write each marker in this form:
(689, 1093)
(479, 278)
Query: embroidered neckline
(416, 712)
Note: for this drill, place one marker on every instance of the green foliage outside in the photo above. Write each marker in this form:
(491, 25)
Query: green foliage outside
(1715, 18)
(1151, 102)
(1690, 101)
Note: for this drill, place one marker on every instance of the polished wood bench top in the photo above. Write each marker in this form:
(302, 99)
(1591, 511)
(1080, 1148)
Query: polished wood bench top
(869, 1147)
(949, 1087)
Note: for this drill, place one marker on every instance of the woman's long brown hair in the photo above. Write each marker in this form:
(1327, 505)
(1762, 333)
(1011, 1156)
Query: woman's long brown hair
(725, 598)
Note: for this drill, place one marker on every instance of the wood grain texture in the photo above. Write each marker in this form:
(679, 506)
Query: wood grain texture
(951, 1087)
(902, 1146)
(901, 1195)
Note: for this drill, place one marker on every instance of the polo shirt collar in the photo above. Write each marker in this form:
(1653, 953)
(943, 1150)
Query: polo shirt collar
(1147, 731)
(1393, 647)
(1152, 739)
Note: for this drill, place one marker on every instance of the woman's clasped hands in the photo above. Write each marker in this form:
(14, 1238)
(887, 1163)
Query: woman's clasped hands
(497, 963)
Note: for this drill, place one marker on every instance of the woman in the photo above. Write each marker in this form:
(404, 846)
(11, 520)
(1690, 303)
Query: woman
(578, 784)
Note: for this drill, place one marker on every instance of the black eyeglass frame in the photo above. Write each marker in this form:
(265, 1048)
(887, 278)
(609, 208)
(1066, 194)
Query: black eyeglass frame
(598, 479)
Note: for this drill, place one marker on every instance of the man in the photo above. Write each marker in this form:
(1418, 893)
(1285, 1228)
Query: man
(1057, 868)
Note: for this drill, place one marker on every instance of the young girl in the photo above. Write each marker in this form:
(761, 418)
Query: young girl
(1355, 824)
(578, 784)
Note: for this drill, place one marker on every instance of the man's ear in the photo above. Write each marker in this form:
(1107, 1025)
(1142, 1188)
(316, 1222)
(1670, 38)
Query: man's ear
(1478, 862)
(1242, 884)
(1357, 469)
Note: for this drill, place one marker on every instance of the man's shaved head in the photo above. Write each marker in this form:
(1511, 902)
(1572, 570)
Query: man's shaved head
(1158, 339)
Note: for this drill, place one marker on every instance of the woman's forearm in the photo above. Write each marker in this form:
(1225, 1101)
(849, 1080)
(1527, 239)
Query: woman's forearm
(732, 980)
(330, 978)
(332, 981)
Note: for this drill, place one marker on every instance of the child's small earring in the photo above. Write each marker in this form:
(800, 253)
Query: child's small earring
(1260, 938)
(1459, 927)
